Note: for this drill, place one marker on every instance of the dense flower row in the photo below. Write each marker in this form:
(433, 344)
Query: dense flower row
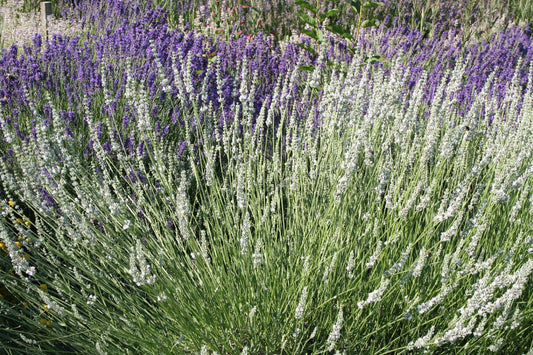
(71, 68)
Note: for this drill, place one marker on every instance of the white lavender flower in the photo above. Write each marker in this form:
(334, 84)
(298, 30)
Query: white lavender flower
(419, 265)
(245, 233)
(375, 296)
(423, 341)
(139, 267)
(252, 313)
(329, 268)
(351, 265)
(426, 306)
(183, 207)
(298, 314)
(203, 247)
(335, 334)
(399, 265)
(495, 347)
(91, 300)
(374, 257)
(257, 255)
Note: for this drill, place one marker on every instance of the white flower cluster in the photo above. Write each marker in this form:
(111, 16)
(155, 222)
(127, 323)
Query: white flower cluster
(257, 256)
(399, 265)
(351, 265)
(420, 262)
(298, 314)
(139, 267)
(374, 257)
(183, 206)
(426, 306)
(21, 265)
(335, 334)
(423, 341)
(329, 268)
(245, 233)
(375, 296)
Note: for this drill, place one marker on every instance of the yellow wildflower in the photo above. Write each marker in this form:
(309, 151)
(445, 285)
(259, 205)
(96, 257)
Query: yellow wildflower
(18, 244)
(45, 322)
(11, 203)
(43, 287)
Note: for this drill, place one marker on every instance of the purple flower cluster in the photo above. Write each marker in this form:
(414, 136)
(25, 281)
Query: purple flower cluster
(501, 54)
(71, 69)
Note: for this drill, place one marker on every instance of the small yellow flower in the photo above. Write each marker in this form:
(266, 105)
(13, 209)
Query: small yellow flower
(11, 203)
(19, 220)
(25, 304)
(43, 287)
(27, 223)
(2, 245)
(18, 244)
(46, 306)
(45, 322)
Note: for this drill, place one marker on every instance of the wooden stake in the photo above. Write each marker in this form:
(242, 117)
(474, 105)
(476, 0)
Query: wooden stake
(46, 14)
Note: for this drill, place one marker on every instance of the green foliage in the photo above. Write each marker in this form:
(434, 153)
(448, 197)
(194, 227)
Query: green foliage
(319, 25)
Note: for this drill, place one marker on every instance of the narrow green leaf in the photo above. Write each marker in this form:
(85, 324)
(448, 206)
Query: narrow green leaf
(372, 59)
(307, 67)
(329, 14)
(311, 34)
(307, 48)
(356, 5)
(340, 31)
(320, 36)
(307, 5)
(348, 35)
(368, 23)
(307, 19)
(372, 4)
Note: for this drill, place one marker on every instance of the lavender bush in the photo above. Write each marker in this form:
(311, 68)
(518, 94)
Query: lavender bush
(168, 191)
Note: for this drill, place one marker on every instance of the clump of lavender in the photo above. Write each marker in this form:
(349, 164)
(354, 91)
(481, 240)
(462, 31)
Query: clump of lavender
(149, 184)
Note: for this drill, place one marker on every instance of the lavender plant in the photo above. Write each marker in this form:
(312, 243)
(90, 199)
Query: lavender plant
(165, 191)
(356, 224)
